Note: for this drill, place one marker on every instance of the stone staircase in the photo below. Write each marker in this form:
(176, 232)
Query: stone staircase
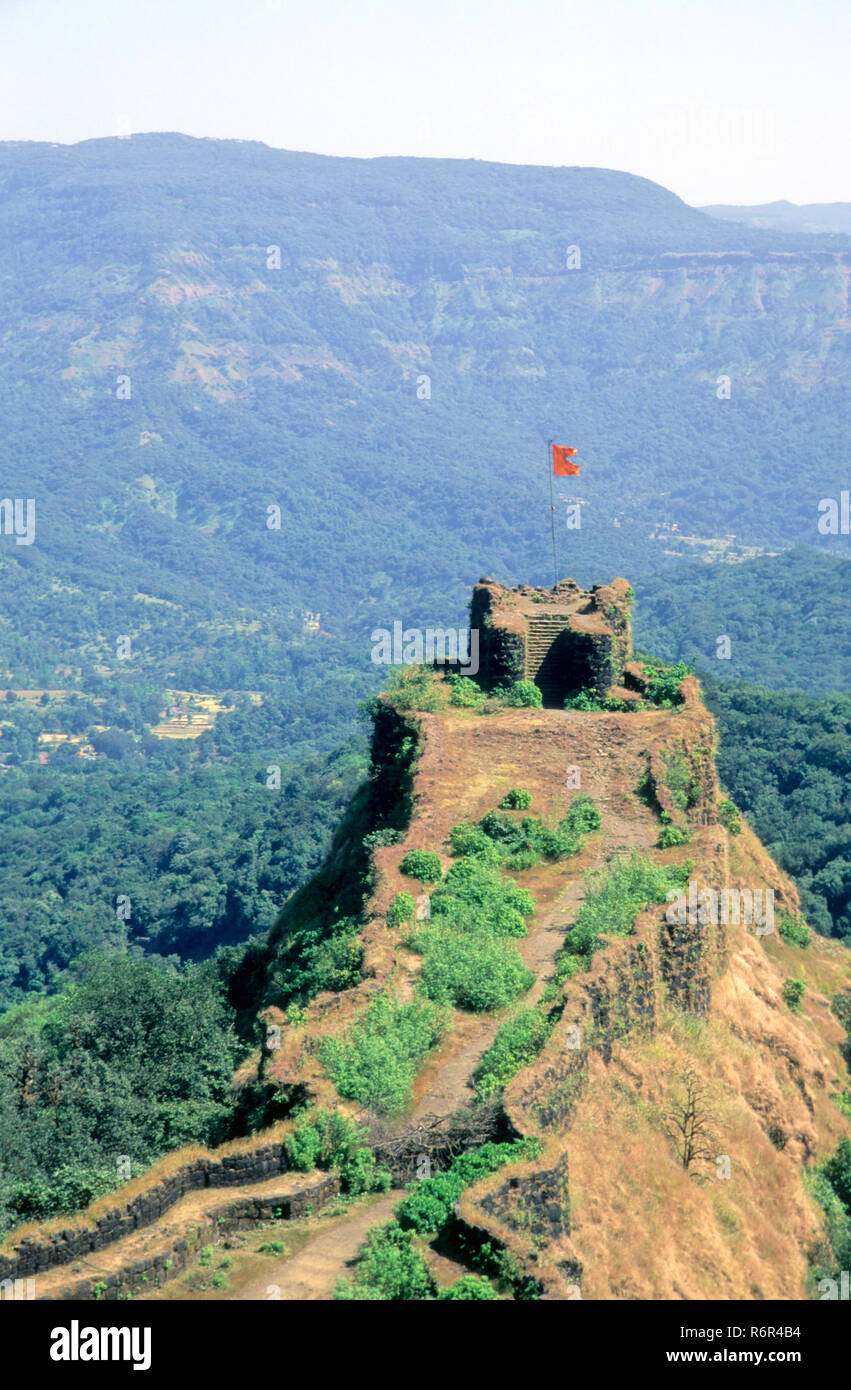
(543, 660)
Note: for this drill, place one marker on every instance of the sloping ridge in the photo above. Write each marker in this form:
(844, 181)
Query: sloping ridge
(608, 1211)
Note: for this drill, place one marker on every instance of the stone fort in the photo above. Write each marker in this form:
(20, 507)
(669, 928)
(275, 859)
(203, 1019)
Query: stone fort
(564, 639)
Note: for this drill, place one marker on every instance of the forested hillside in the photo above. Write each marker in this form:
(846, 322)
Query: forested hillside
(194, 332)
(172, 860)
(784, 756)
(786, 618)
(785, 759)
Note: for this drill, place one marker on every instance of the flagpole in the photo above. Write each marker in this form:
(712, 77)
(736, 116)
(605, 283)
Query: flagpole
(552, 510)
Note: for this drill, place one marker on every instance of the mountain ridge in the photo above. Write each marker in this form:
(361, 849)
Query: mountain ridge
(651, 1006)
(421, 340)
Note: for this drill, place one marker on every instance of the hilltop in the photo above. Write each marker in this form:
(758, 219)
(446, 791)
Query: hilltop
(539, 932)
(607, 1206)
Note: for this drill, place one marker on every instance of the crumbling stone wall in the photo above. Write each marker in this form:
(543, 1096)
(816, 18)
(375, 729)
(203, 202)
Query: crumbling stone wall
(535, 1203)
(153, 1270)
(616, 997)
(502, 643)
(34, 1254)
(555, 1093)
(621, 997)
(534, 633)
(685, 957)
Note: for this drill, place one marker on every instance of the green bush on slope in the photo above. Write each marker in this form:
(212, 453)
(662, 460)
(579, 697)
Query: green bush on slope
(517, 1044)
(614, 899)
(390, 1265)
(327, 1139)
(376, 1061)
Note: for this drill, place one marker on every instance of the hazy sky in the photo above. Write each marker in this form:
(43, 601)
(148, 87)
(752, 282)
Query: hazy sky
(740, 101)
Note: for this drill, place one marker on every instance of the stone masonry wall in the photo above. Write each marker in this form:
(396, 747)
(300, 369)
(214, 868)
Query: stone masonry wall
(153, 1270)
(34, 1254)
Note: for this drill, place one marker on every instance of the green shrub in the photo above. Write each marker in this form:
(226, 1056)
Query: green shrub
(793, 994)
(840, 1007)
(679, 779)
(843, 1100)
(517, 898)
(522, 694)
(517, 799)
(529, 836)
(417, 688)
(423, 864)
(70, 1188)
(431, 1203)
(582, 816)
(469, 1286)
(729, 817)
(837, 1227)
(585, 699)
(475, 897)
(795, 932)
(671, 835)
(831, 1187)
(614, 899)
(504, 830)
(307, 963)
(348, 1291)
(516, 1045)
(377, 839)
(522, 860)
(333, 1141)
(401, 909)
(837, 1170)
(503, 1267)
(664, 682)
(377, 1060)
(466, 839)
(335, 963)
(465, 694)
(389, 1267)
(473, 972)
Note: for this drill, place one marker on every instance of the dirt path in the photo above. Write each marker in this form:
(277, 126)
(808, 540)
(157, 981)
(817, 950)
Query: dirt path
(312, 1274)
(447, 1083)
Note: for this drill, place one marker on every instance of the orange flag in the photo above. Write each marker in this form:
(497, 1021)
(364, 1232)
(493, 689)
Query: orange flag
(563, 465)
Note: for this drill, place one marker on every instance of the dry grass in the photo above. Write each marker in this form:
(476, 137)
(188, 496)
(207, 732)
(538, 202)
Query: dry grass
(643, 1227)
